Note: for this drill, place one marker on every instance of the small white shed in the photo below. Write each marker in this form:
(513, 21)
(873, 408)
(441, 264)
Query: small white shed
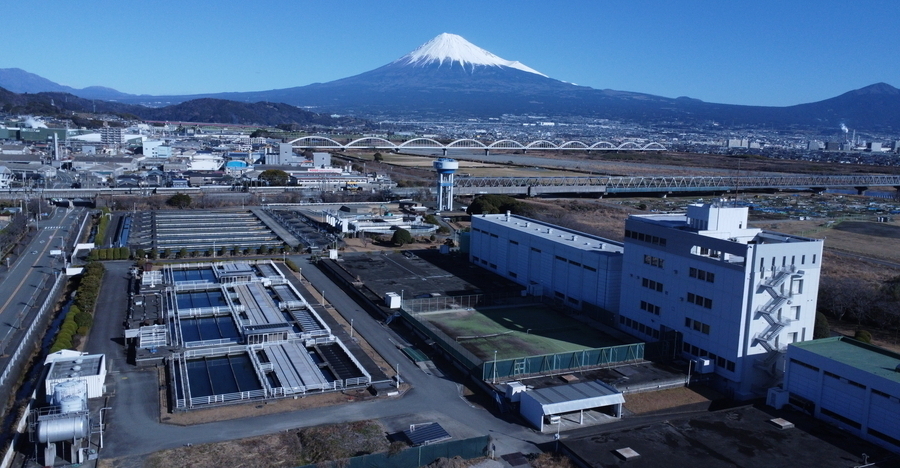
(538, 407)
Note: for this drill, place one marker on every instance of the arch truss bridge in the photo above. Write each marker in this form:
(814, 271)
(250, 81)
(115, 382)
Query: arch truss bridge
(376, 143)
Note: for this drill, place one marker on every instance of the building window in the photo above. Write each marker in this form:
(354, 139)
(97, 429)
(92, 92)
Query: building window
(589, 268)
(650, 284)
(513, 274)
(653, 261)
(573, 262)
(513, 242)
(493, 265)
(796, 286)
(562, 259)
(535, 250)
(559, 294)
(697, 325)
(699, 300)
(653, 309)
(795, 311)
(843, 419)
(655, 240)
(702, 275)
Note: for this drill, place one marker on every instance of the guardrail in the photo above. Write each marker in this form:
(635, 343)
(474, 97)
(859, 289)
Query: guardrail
(21, 351)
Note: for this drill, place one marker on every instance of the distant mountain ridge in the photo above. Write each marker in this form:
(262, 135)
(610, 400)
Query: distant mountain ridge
(197, 110)
(451, 77)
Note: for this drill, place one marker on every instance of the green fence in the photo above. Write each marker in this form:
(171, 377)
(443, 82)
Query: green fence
(415, 456)
(559, 362)
(449, 345)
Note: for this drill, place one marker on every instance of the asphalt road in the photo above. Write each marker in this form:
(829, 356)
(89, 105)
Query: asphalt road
(135, 428)
(34, 269)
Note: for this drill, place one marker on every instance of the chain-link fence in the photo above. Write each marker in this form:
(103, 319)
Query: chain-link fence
(416, 456)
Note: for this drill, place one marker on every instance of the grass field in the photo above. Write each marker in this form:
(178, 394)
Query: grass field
(517, 331)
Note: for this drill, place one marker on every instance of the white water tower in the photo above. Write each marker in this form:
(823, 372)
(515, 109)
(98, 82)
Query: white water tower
(445, 168)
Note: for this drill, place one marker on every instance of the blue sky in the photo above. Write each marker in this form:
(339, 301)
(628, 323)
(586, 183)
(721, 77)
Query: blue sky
(757, 52)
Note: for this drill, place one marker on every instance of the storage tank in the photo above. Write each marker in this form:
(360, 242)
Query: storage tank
(67, 388)
(65, 428)
(71, 404)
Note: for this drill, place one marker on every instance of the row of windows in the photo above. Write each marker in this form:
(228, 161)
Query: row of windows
(702, 275)
(654, 285)
(721, 362)
(661, 241)
(654, 261)
(563, 259)
(705, 252)
(784, 262)
(842, 379)
(649, 331)
(696, 325)
(699, 300)
(843, 419)
(803, 364)
(653, 309)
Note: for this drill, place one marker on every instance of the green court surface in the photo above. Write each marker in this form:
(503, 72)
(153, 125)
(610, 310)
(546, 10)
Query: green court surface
(517, 331)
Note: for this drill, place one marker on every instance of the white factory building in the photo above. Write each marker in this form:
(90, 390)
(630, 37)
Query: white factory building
(845, 382)
(728, 296)
(549, 260)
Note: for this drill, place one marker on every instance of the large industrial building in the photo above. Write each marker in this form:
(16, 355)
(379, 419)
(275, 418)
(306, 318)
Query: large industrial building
(726, 296)
(729, 296)
(549, 260)
(848, 383)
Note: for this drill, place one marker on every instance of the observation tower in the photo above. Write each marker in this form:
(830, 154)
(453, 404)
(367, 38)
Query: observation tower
(445, 168)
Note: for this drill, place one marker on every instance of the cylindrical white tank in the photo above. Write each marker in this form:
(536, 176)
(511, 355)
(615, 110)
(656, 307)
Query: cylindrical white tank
(67, 388)
(71, 404)
(55, 430)
(446, 165)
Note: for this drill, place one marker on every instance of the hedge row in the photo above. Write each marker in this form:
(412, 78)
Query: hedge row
(78, 321)
(102, 226)
(114, 253)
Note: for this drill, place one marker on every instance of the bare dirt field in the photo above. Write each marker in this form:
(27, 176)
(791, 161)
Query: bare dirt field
(284, 449)
(641, 403)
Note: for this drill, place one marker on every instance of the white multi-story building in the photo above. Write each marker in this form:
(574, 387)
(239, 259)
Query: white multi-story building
(112, 136)
(727, 296)
(5, 177)
(549, 260)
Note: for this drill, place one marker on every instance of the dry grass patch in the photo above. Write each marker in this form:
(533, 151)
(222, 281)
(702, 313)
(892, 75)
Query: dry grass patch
(284, 449)
(640, 403)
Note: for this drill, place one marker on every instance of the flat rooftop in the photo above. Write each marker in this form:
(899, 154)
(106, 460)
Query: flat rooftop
(80, 366)
(423, 272)
(737, 437)
(552, 232)
(863, 356)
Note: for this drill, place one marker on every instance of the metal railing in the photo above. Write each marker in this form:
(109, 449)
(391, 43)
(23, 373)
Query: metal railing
(22, 351)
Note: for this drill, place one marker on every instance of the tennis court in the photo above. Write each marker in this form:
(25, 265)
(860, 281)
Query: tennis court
(517, 331)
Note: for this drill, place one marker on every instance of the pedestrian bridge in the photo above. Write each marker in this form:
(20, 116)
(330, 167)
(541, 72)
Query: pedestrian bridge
(376, 143)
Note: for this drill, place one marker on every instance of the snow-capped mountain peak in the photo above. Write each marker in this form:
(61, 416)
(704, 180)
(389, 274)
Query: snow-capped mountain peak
(453, 48)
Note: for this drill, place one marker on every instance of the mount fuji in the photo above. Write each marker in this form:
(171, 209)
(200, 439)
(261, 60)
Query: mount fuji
(449, 77)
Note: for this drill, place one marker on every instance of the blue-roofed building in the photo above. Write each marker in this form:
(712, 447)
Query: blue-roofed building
(845, 382)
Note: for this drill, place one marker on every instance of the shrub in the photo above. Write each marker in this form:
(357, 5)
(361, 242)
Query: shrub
(863, 335)
(401, 237)
(293, 266)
